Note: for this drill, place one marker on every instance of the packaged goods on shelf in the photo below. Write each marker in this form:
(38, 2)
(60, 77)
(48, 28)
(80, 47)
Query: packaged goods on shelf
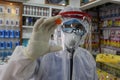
(10, 28)
(108, 28)
(33, 12)
(108, 58)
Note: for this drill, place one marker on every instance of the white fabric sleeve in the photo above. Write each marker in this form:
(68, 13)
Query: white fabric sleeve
(18, 67)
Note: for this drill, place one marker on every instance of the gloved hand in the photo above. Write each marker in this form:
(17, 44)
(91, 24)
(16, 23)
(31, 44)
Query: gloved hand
(38, 44)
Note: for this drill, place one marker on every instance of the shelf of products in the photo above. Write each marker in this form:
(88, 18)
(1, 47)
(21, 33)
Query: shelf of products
(10, 28)
(103, 75)
(27, 26)
(32, 12)
(110, 29)
(107, 31)
(94, 32)
(37, 16)
(113, 69)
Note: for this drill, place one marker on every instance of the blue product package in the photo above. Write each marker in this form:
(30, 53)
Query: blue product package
(12, 34)
(7, 33)
(2, 45)
(17, 43)
(17, 34)
(9, 45)
(2, 33)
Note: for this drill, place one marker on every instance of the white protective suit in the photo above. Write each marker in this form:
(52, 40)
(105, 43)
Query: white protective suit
(51, 66)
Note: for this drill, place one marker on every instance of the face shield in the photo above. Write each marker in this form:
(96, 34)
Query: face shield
(74, 28)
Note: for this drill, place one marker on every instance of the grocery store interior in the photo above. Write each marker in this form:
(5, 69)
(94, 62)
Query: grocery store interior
(17, 19)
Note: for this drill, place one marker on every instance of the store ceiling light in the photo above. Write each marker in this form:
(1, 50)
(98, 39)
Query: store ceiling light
(11, 4)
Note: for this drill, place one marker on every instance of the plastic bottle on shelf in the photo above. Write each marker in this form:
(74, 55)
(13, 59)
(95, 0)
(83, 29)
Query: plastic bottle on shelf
(12, 34)
(34, 8)
(39, 11)
(17, 43)
(31, 21)
(42, 13)
(9, 45)
(36, 11)
(47, 11)
(31, 10)
(3, 45)
(17, 33)
(25, 10)
(7, 34)
(28, 10)
(27, 21)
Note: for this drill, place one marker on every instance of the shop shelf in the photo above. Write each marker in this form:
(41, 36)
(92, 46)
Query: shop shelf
(97, 3)
(26, 35)
(113, 69)
(34, 16)
(111, 47)
(27, 26)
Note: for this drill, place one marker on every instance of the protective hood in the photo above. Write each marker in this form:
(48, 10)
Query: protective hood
(70, 31)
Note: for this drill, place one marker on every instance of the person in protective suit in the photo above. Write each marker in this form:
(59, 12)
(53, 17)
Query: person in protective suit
(38, 61)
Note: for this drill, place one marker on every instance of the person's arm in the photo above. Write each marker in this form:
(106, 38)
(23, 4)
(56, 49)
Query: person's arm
(18, 67)
(93, 64)
(22, 64)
